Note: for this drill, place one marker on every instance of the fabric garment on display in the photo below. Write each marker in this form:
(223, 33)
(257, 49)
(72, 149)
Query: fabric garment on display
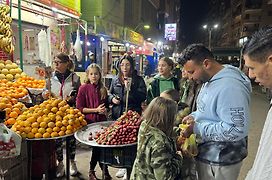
(44, 47)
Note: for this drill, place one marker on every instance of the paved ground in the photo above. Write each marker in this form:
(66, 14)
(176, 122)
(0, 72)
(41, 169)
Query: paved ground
(259, 108)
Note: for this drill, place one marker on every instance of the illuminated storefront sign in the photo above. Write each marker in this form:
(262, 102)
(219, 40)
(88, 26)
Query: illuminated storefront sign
(170, 32)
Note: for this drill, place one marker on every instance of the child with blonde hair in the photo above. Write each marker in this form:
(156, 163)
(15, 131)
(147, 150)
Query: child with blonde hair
(92, 102)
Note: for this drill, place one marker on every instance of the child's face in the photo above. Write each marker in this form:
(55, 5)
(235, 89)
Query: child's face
(94, 75)
(164, 69)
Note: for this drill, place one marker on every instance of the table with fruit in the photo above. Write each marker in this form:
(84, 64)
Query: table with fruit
(117, 140)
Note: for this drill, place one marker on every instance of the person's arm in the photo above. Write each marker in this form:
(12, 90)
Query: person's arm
(165, 163)
(233, 111)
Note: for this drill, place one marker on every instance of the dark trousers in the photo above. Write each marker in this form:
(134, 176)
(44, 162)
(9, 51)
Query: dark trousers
(72, 147)
(94, 160)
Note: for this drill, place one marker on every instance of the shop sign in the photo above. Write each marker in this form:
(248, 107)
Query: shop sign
(70, 6)
(108, 28)
(133, 37)
(146, 49)
(170, 32)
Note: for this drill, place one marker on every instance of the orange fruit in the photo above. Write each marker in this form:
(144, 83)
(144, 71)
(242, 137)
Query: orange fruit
(46, 120)
(51, 125)
(46, 111)
(63, 128)
(38, 135)
(34, 130)
(27, 130)
(16, 110)
(49, 130)
(56, 129)
(46, 135)
(68, 131)
(69, 127)
(54, 134)
(2, 105)
(41, 130)
(61, 133)
(59, 124)
(30, 135)
(10, 121)
(31, 119)
(65, 122)
(43, 124)
(58, 118)
(39, 119)
(54, 110)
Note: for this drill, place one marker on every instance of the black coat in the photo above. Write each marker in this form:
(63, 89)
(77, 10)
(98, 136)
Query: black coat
(137, 95)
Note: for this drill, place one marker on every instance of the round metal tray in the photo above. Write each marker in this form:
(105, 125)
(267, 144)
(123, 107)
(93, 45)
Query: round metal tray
(45, 139)
(83, 134)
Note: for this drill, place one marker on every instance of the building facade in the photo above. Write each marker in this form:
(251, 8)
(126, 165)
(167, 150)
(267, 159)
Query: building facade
(238, 19)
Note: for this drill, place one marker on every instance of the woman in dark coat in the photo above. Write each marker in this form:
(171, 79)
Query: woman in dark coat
(127, 79)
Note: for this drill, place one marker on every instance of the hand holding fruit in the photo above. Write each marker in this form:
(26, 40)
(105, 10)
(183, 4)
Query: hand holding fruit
(188, 119)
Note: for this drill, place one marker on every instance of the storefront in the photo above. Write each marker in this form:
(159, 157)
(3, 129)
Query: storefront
(41, 30)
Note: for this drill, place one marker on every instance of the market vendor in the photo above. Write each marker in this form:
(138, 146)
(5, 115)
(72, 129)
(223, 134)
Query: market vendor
(64, 84)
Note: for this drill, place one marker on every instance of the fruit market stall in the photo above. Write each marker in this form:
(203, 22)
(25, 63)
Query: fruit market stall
(48, 121)
(117, 140)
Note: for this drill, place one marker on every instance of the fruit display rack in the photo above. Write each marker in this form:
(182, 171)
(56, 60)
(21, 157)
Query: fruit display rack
(120, 156)
(44, 141)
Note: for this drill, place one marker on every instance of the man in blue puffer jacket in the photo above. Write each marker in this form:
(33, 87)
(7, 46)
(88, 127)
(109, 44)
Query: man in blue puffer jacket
(222, 116)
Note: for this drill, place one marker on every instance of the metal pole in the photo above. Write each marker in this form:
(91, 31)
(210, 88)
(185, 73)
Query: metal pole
(20, 34)
(210, 38)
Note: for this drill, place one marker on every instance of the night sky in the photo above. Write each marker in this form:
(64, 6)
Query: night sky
(193, 13)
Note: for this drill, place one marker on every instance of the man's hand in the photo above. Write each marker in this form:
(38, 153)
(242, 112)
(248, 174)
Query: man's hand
(190, 129)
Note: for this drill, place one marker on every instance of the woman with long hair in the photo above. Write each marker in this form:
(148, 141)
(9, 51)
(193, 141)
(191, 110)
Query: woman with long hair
(127, 81)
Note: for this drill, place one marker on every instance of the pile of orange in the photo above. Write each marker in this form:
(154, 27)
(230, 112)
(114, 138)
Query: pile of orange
(13, 109)
(52, 118)
(11, 89)
(30, 82)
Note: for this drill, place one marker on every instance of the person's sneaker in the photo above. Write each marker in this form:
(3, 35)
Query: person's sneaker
(121, 173)
(60, 170)
(73, 168)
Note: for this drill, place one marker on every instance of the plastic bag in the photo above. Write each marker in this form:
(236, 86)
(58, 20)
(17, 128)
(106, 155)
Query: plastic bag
(10, 142)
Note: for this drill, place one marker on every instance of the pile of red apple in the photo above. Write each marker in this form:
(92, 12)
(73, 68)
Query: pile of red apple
(122, 131)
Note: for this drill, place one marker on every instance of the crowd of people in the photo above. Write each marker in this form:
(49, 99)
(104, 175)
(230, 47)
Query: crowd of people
(217, 95)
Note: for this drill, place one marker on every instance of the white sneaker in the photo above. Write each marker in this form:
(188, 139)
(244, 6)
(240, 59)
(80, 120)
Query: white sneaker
(73, 168)
(125, 176)
(60, 170)
(121, 173)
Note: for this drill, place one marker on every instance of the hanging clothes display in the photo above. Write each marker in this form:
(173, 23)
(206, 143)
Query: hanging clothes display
(44, 48)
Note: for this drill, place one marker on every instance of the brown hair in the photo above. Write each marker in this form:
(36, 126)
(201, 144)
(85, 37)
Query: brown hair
(161, 113)
(66, 59)
(132, 68)
(168, 61)
(102, 88)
